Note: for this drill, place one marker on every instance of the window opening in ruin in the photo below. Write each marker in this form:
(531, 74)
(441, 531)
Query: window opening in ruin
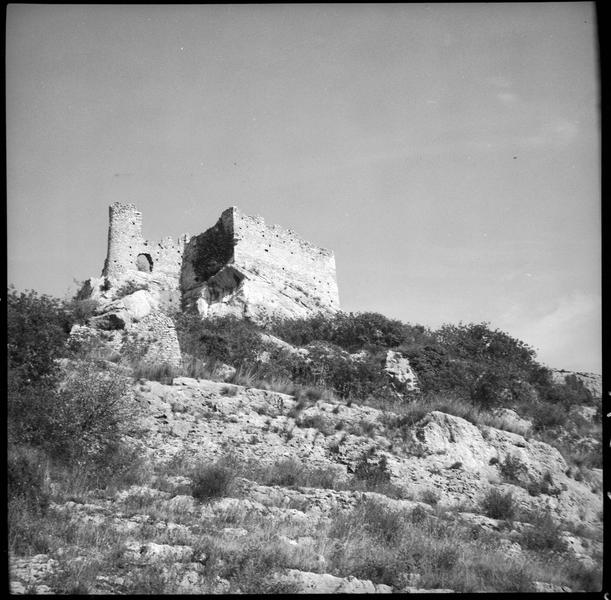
(144, 263)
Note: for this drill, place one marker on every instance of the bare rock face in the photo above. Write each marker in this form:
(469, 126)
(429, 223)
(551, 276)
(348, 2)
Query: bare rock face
(400, 372)
(140, 304)
(324, 583)
(512, 421)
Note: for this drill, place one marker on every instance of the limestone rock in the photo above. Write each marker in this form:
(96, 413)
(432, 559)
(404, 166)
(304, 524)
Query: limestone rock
(400, 372)
(511, 421)
(542, 586)
(26, 574)
(135, 551)
(225, 372)
(139, 304)
(452, 438)
(324, 583)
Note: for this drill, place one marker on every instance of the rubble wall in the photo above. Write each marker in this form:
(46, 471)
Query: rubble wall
(291, 266)
(129, 252)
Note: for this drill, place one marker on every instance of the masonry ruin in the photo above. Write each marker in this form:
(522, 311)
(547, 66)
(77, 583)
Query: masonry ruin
(239, 266)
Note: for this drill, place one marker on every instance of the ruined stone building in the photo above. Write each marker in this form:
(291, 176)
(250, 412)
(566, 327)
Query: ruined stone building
(240, 266)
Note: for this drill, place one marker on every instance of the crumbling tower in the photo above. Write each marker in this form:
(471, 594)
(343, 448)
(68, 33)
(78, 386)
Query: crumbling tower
(125, 241)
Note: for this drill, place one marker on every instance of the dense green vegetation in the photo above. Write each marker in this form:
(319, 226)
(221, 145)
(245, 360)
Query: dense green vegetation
(485, 366)
(70, 423)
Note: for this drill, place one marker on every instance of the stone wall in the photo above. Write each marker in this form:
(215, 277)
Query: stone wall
(129, 252)
(153, 340)
(239, 266)
(244, 267)
(293, 266)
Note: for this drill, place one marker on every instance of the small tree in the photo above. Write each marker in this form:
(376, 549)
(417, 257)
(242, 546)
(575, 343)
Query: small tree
(37, 329)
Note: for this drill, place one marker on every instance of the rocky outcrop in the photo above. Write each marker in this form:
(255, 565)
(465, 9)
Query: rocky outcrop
(437, 463)
(397, 367)
(459, 461)
(323, 583)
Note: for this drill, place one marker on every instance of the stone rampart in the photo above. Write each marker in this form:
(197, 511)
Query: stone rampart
(294, 267)
(240, 266)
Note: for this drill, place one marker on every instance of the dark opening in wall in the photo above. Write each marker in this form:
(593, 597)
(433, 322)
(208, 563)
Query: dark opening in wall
(144, 262)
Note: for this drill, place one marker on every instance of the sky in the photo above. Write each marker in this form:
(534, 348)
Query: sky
(449, 154)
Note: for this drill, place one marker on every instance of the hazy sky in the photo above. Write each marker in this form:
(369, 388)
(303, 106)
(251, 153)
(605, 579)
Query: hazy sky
(448, 154)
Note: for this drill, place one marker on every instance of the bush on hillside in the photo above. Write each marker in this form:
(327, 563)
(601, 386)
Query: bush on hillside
(78, 424)
(351, 331)
(571, 393)
(497, 505)
(545, 535)
(547, 415)
(373, 473)
(498, 364)
(225, 339)
(27, 474)
(209, 481)
(438, 372)
(37, 330)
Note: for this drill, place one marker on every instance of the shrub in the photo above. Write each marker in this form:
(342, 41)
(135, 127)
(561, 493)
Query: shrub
(373, 473)
(545, 535)
(548, 416)
(284, 472)
(476, 341)
(512, 469)
(27, 474)
(130, 287)
(438, 372)
(571, 392)
(418, 515)
(543, 486)
(79, 423)
(90, 414)
(488, 390)
(583, 578)
(225, 339)
(83, 310)
(380, 520)
(37, 330)
(430, 497)
(162, 372)
(350, 331)
(497, 505)
(316, 422)
(210, 481)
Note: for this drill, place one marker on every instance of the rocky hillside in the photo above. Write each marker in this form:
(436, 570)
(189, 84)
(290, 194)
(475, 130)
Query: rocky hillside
(350, 453)
(252, 490)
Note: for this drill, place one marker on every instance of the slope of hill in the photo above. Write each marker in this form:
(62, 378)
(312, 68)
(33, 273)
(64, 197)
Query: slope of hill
(251, 490)
(344, 454)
